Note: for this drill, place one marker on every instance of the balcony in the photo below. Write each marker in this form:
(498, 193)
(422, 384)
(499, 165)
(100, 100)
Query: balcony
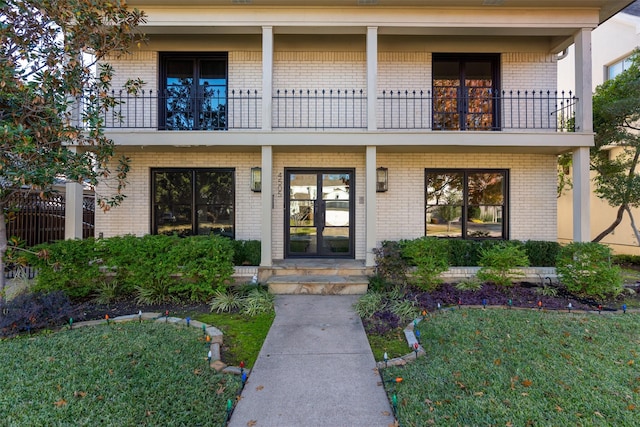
(344, 110)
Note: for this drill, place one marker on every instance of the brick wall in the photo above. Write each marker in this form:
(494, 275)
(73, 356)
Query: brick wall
(335, 69)
(532, 207)
(134, 215)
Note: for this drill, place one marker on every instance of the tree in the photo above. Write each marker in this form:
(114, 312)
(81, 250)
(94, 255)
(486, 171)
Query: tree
(48, 55)
(616, 114)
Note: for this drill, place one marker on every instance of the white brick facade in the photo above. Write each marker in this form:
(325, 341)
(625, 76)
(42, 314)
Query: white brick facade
(532, 199)
(134, 215)
(376, 50)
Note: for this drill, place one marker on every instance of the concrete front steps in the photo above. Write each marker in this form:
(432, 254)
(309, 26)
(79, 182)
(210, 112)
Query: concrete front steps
(317, 277)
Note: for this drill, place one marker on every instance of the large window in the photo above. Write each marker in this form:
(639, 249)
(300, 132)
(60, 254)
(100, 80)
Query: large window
(193, 201)
(465, 92)
(193, 91)
(466, 203)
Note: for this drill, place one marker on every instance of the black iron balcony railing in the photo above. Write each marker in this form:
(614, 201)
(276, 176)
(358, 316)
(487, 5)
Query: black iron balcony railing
(512, 110)
(344, 110)
(319, 109)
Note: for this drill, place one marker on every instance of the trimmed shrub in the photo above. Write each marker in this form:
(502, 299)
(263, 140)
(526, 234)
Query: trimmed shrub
(463, 253)
(391, 266)
(586, 269)
(500, 264)
(625, 259)
(156, 268)
(206, 263)
(246, 252)
(541, 253)
(72, 266)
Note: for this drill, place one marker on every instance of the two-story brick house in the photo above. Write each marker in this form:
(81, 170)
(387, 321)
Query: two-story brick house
(322, 127)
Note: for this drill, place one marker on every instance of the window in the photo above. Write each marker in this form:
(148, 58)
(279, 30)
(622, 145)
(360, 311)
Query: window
(465, 90)
(618, 67)
(466, 203)
(193, 201)
(193, 91)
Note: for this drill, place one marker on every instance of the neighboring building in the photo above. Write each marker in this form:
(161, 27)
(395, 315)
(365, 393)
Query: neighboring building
(369, 121)
(613, 42)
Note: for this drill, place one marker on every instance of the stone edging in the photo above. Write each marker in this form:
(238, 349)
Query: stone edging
(412, 340)
(214, 334)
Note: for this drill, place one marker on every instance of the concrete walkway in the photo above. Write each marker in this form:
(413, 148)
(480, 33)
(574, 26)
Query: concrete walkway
(315, 369)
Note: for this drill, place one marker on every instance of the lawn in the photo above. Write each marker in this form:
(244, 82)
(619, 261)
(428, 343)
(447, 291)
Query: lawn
(522, 367)
(120, 374)
(243, 335)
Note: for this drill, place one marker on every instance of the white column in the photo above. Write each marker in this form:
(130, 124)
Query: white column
(581, 195)
(371, 214)
(584, 124)
(266, 255)
(372, 76)
(583, 76)
(267, 77)
(73, 211)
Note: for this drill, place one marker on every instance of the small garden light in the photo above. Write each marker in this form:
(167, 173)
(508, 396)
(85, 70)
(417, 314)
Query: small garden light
(510, 303)
(539, 304)
(209, 357)
(418, 335)
(484, 303)
(386, 359)
(569, 307)
(140, 316)
(624, 308)
(439, 306)
(166, 316)
(459, 302)
(229, 408)
(188, 321)
(106, 316)
(416, 347)
(70, 322)
(244, 378)
(204, 330)
(599, 308)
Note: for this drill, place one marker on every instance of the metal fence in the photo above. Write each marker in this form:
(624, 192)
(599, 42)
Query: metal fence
(34, 219)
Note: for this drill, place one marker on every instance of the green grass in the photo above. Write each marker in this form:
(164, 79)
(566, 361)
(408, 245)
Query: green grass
(515, 367)
(112, 375)
(394, 343)
(243, 335)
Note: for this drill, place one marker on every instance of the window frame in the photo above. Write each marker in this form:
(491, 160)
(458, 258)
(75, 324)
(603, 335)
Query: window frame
(465, 172)
(194, 202)
(163, 59)
(463, 109)
(625, 62)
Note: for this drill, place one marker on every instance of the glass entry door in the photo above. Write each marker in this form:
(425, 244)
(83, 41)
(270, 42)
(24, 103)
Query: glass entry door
(320, 213)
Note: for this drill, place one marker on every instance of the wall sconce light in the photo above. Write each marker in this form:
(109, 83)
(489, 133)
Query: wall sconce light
(256, 179)
(382, 180)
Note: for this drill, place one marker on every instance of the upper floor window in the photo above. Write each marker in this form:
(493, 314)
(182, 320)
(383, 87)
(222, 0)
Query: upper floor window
(466, 203)
(193, 91)
(618, 67)
(465, 89)
(193, 201)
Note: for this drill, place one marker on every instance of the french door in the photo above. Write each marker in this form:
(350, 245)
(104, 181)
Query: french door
(465, 92)
(319, 213)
